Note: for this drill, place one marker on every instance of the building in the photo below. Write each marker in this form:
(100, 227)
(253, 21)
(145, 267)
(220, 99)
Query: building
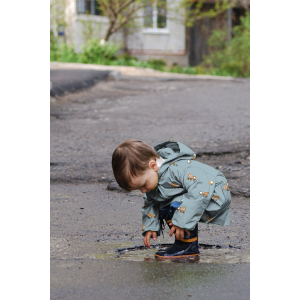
(155, 35)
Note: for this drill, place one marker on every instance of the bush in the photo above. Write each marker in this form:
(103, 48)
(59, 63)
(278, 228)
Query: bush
(53, 41)
(94, 52)
(233, 59)
(63, 52)
(183, 70)
(157, 64)
(125, 60)
(127, 57)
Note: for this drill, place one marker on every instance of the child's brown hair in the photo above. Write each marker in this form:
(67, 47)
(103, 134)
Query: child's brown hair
(130, 159)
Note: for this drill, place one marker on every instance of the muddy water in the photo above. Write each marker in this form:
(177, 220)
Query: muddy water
(208, 254)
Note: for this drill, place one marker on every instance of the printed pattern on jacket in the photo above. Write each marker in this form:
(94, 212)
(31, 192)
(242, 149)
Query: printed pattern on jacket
(199, 188)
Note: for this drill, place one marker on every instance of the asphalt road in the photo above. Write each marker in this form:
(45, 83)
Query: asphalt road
(91, 217)
(64, 81)
(102, 279)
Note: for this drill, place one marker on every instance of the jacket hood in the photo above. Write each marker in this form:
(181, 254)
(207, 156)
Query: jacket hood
(172, 150)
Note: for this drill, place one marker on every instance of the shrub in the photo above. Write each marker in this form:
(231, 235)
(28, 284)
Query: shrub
(157, 64)
(94, 52)
(53, 41)
(127, 57)
(63, 52)
(185, 70)
(233, 59)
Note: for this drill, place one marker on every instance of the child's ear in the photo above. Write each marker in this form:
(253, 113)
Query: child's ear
(153, 165)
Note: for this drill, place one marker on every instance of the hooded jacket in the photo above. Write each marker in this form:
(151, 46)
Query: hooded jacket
(202, 191)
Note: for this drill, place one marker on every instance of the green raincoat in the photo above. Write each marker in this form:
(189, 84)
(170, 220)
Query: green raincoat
(202, 191)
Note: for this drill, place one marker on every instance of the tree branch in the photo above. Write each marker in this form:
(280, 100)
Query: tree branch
(125, 5)
(129, 16)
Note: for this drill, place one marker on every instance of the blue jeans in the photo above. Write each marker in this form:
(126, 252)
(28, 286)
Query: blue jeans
(167, 212)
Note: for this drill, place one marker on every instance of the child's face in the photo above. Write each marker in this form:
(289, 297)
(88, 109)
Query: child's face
(148, 180)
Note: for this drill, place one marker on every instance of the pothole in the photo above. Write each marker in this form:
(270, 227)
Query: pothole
(212, 254)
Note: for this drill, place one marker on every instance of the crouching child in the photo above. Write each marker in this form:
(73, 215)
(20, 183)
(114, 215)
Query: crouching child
(179, 191)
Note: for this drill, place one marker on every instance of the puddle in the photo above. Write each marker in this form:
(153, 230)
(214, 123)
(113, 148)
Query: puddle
(209, 254)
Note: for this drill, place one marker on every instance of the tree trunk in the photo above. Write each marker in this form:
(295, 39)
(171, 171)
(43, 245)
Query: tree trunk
(125, 35)
(109, 30)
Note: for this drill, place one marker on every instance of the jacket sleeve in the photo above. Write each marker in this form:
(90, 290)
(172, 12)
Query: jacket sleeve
(199, 188)
(150, 211)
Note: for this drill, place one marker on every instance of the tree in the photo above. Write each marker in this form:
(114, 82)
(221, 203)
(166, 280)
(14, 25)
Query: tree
(57, 14)
(121, 13)
(245, 4)
(194, 10)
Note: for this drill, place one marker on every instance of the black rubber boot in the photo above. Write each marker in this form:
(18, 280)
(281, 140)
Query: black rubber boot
(183, 248)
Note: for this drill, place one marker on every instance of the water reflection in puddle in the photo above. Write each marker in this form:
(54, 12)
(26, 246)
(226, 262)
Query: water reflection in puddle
(212, 254)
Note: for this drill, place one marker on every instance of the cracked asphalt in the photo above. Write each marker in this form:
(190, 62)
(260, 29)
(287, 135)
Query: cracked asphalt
(91, 216)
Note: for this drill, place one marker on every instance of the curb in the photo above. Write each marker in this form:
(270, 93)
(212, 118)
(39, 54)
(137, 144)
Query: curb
(137, 73)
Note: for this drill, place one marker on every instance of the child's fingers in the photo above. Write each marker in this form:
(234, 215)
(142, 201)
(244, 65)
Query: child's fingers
(180, 234)
(147, 240)
(154, 236)
(187, 232)
(172, 230)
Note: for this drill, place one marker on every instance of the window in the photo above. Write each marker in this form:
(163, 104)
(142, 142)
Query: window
(155, 16)
(90, 7)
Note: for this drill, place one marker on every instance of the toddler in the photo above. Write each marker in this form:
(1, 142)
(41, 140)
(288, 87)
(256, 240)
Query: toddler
(178, 190)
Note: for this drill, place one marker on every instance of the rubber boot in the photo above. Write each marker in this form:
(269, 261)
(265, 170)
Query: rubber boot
(183, 248)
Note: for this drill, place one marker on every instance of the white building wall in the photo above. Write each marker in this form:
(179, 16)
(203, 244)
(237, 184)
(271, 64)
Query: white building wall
(168, 44)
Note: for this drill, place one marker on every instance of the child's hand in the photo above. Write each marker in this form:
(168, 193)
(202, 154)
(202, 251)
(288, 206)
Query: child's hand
(179, 232)
(148, 236)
